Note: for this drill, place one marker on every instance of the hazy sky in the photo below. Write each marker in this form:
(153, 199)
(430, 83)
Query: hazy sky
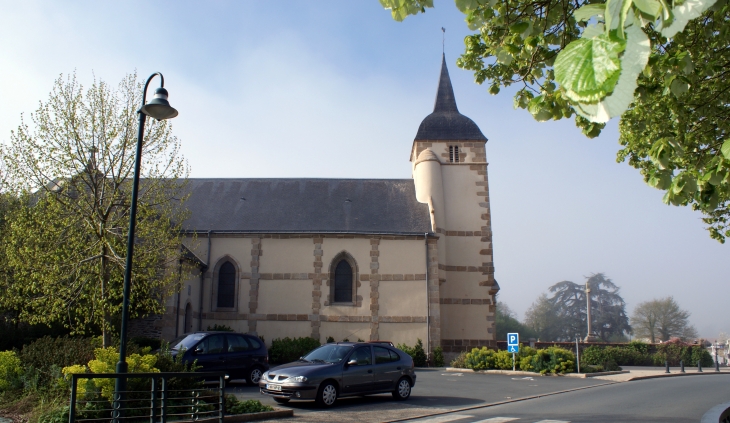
(338, 89)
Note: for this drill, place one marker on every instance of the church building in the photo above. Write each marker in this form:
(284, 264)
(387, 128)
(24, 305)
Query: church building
(370, 259)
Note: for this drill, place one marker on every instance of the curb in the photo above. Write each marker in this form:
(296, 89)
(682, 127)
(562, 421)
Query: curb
(717, 413)
(493, 404)
(523, 373)
(676, 375)
(251, 417)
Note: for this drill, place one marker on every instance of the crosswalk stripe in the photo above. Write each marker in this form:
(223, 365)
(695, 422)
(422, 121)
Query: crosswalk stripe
(498, 420)
(444, 419)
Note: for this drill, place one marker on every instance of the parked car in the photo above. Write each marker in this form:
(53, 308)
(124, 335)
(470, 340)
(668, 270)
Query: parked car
(241, 356)
(342, 369)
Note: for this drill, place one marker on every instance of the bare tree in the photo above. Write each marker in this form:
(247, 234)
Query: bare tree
(661, 319)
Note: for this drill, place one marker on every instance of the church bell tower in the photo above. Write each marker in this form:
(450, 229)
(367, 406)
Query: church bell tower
(450, 175)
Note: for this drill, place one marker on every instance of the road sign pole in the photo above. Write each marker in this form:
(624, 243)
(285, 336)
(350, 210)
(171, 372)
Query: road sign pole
(513, 362)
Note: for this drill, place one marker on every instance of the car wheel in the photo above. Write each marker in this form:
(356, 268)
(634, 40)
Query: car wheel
(254, 376)
(327, 394)
(402, 389)
(281, 400)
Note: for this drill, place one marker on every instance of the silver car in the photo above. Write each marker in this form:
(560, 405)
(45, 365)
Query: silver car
(341, 370)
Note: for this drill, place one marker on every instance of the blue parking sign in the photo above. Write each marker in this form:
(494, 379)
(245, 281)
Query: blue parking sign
(513, 342)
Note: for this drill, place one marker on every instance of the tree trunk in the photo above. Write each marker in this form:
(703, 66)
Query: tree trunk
(106, 327)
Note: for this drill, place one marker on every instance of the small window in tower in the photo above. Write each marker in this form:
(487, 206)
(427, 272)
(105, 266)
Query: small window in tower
(454, 153)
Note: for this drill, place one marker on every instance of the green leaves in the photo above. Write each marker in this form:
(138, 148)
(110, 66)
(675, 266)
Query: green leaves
(588, 68)
(588, 11)
(401, 9)
(65, 248)
(725, 149)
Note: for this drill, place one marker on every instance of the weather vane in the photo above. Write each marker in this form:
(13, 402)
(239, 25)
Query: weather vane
(443, 40)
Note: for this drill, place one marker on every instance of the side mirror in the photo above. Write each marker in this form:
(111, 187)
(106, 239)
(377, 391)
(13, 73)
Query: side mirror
(198, 350)
(352, 362)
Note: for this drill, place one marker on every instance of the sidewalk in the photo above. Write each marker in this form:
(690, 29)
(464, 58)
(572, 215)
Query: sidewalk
(628, 373)
(639, 373)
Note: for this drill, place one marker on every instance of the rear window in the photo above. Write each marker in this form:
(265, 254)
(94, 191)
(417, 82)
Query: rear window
(384, 355)
(237, 343)
(255, 344)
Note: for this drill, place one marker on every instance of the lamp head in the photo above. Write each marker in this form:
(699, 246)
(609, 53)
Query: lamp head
(159, 108)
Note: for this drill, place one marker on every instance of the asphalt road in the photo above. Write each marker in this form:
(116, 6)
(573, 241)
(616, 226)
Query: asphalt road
(435, 391)
(665, 400)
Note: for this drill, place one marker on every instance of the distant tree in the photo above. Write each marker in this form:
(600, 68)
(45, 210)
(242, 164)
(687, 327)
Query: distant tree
(544, 320)
(66, 248)
(661, 319)
(608, 308)
(506, 322)
(563, 316)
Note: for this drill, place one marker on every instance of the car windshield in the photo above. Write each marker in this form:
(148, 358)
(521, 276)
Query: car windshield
(186, 342)
(329, 353)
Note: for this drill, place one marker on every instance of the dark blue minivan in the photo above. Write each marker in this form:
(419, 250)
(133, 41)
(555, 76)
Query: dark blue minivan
(241, 356)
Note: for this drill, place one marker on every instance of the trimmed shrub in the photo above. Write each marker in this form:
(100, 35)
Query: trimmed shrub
(287, 350)
(612, 357)
(220, 328)
(105, 362)
(10, 370)
(675, 350)
(417, 353)
(438, 357)
(234, 406)
(553, 360)
(330, 340)
(143, 342)
(46, 356)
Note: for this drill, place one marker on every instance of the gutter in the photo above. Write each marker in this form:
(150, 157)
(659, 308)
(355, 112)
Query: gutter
(313, 232)
(428, 305)
(177, 309)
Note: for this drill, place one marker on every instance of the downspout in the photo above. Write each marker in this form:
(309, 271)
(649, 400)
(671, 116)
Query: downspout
(177, 309)
(202, 282)
(428, 305)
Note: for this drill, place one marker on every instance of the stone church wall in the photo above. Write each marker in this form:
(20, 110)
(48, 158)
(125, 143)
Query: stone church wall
(284, 283)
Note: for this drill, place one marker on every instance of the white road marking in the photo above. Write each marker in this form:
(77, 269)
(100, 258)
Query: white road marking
(553, 421)
(452, 374)
(498, 420)
(445, 418)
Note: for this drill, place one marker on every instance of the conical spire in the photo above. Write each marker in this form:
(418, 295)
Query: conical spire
(445, 100)
(446, 123)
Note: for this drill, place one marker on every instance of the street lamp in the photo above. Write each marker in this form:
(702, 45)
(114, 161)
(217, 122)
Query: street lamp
(160, 109)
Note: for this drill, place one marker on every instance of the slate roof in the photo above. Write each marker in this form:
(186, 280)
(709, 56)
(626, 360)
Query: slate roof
(446, 123)
(386, 206)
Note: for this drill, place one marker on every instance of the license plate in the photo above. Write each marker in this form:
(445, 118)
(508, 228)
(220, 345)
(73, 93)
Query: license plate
(271, 387)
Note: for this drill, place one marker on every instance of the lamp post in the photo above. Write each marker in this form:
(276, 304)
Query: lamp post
(160, 109)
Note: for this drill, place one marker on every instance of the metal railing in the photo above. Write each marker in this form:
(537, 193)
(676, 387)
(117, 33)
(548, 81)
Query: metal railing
(165, 400)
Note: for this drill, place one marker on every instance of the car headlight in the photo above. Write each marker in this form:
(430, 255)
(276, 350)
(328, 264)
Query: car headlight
(265, 375)
(299, 378)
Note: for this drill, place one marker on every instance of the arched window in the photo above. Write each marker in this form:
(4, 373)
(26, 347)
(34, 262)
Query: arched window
(343, 282)
(227, 285)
